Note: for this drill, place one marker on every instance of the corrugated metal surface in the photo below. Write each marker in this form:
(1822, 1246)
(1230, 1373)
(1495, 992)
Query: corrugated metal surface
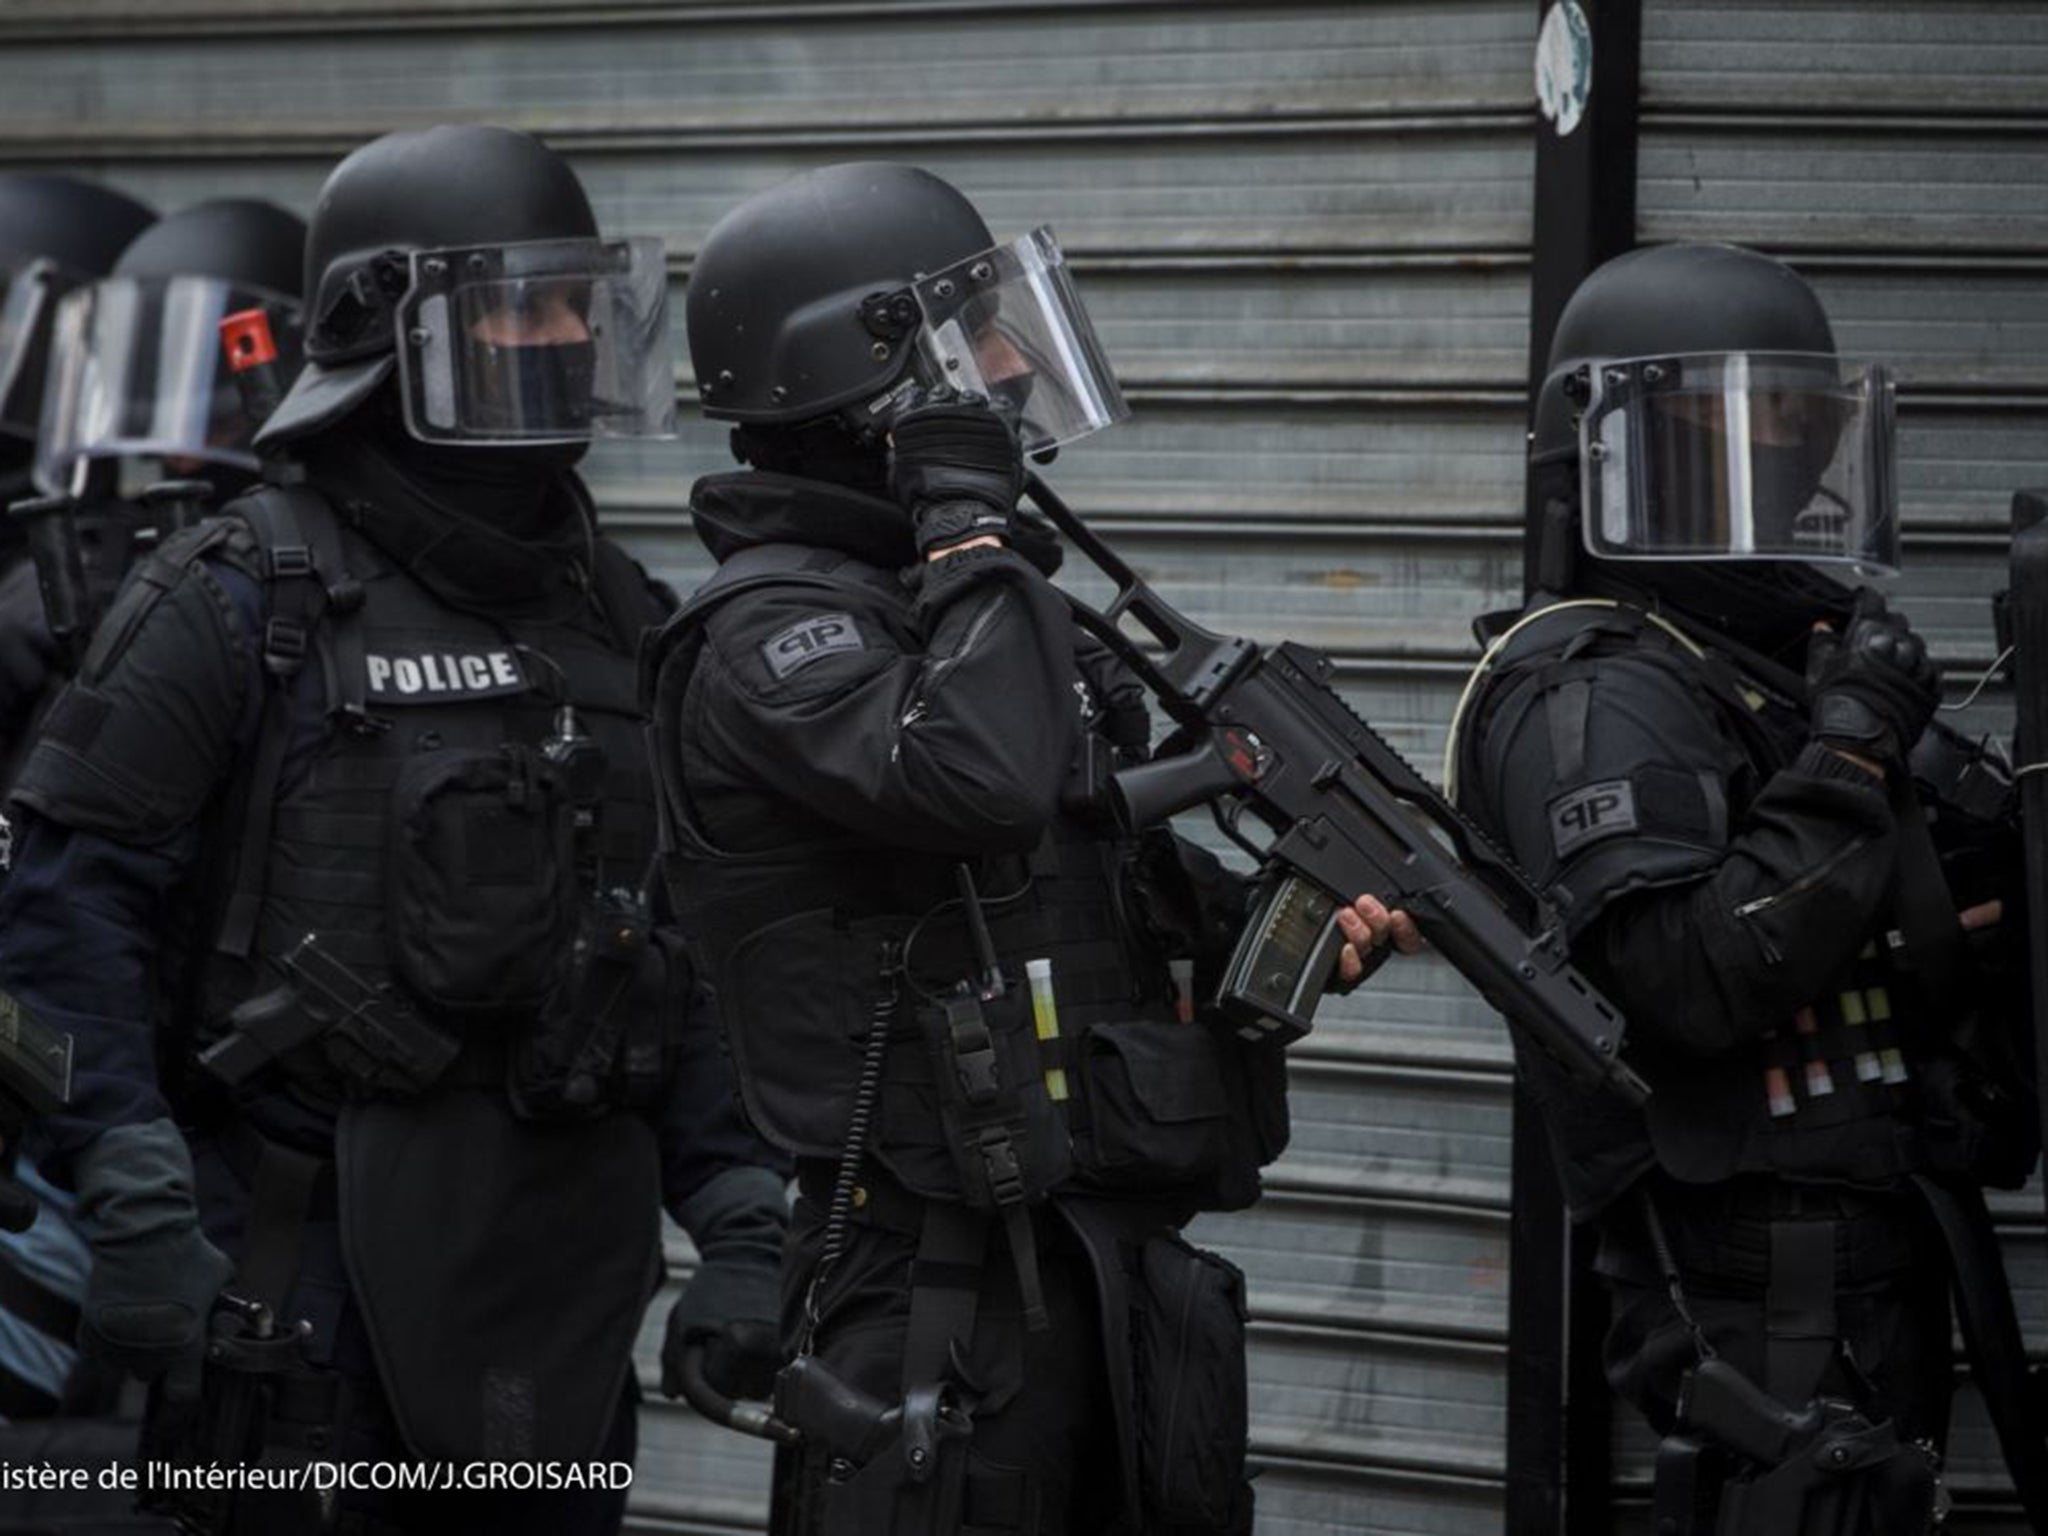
(1898, 154)
(1303, 229)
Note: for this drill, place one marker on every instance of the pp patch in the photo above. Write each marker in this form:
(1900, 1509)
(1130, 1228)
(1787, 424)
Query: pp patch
(1584, 815)
(807, 640)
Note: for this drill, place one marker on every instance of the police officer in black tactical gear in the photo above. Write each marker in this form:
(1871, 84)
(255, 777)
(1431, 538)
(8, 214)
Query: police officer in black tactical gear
(133, 371)
(345, 822)
(137, 385)
(57, 234)
(1698, 735)
(951, 988)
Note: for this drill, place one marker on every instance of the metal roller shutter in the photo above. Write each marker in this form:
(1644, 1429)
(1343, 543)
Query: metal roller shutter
(1303, 229)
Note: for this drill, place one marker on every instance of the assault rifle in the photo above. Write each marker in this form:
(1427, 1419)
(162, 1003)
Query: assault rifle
(1263, 734)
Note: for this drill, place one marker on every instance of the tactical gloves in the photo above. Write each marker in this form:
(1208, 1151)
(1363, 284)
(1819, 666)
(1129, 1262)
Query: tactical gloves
(154, 1274)
(733, 1304)
(955, 464)
(1874, 687)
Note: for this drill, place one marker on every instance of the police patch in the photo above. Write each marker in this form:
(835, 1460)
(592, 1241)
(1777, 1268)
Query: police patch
(808, 640)
(1597, 811)
(423, 677)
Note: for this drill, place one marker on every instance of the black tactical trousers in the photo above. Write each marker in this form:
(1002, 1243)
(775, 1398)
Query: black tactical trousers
(1042, 1459)
(1891, 1353)
(359, 1429)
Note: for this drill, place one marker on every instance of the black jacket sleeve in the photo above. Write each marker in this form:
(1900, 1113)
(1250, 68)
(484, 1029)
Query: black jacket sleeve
(951, 730)
(1710, 896)
(701, 1129)
(1804, 885)
(111, 800)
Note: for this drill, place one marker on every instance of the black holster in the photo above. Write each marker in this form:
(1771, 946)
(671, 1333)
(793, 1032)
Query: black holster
(900, 1468)
(1743, 1464)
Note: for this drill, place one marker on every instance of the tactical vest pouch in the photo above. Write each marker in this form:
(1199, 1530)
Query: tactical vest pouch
(1007, 1138)
(1187, 1359)
(1157, 1108)
(795, 1006)
(482, 895)
(601, 1039)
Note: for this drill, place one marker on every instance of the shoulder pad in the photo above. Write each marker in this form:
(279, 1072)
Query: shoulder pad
(753, 569)
(1578, 626)
(136, 744)
(161, 571)
(1599, 758)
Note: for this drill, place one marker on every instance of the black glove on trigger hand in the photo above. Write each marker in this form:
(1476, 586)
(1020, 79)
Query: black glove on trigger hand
(154, 1275)
(955, 464)
(732, 1305)
(1874, 686)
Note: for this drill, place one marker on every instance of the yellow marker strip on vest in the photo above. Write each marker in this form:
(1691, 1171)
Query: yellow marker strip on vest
(1045, 1019)
(1868, 1068)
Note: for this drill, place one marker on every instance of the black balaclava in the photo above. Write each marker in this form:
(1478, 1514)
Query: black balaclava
(482, 527)
(825, 449)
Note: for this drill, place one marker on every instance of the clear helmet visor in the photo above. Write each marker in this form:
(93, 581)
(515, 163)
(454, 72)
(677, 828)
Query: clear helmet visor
(545, 341)
(1740, 455)
(136, 368)
(29, 292)
(1008, 324)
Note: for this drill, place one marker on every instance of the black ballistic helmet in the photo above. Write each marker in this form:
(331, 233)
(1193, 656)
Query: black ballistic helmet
(416, 190)
(789, 304)
(136, 366)
(54, 233)
(1677, 301)
(243, 241)
(75, 223)
(1674, 300)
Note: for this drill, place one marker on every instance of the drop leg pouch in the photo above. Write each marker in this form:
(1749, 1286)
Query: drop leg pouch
(1187, 1348)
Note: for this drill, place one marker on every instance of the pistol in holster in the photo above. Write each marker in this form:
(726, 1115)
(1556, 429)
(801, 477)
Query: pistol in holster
(370, 1034)
(1745, 1464)
(898, 1467)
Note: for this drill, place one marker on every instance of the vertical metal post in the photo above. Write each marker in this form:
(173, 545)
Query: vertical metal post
(1558, 1460)
(1585, 208)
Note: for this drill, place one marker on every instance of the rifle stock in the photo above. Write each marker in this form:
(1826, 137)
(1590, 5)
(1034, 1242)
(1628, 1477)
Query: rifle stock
(1265, 736)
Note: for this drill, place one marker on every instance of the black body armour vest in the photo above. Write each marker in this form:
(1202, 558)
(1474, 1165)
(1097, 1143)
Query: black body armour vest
(1838, 1092)
(455, 841)
(823, 952)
